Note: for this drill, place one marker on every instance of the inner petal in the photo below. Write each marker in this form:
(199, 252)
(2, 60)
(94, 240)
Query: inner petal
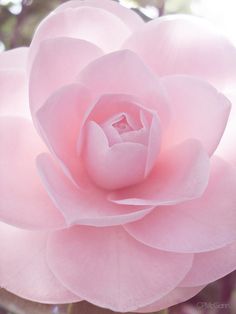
(122, 125)
(119, 141)
(118, 126)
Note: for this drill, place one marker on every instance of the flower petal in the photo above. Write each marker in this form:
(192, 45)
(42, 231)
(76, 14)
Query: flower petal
(52, 70)
(14, 59)
(122, 72)
(210, 266)
(180, 44)
(131, 19)
(84, 206)
(60, 122)
(24, 270)
(226, 148)
(95, 25)
(23, 201)
(13, 82)
(154, 143)
(129, 274)
(115, 167)
(200, 225)
(197, 111)
(14, 93)
(178, 295)
(180, 174)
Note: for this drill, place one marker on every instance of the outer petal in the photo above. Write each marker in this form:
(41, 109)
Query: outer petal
(84, 206)
(13, 82)
(60, 121)
(129, 274)
(23, 201)
(180, 174)
(52, 70)
(123, 72)
(178, 295)
(24, 269)
(227, 149)
(181, 44)
(197, 111)
(204, 224)
(95, 25)
(13, 100)
(14, 59)
(131, 19)
(210, 266)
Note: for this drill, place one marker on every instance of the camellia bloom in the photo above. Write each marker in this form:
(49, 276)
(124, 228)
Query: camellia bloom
(117, 186)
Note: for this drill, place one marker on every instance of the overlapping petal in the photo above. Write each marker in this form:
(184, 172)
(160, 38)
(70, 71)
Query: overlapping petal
(23, 200)
(180, 174)
(131, 19)
(178, 295)
(198, 111)
(226, 148)
(210, 266)
(117, 160)
(24, 270)
(52, 71)
(200, 225)
(87, 205)
(129, 274)
(114, 167)
(14, 59)
(93, 24)
(13, 81)
(60, 121)
(180, 44)
(123, 72)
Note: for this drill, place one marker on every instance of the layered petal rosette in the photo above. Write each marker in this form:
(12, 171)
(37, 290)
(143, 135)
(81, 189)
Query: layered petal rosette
(118, 186)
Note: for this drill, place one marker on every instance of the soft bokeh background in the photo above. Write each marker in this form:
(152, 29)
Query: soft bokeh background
(18, 20)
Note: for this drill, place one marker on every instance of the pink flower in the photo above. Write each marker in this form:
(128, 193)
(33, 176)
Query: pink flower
(132, 204)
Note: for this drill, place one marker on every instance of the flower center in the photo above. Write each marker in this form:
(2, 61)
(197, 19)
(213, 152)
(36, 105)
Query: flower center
(122, 125)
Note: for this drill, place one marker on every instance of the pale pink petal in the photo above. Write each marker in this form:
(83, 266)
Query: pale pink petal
(198, 111)
(60, 121)
(14, 93)
(92, 24)
(178, 295)
(210, 266)
(116, 160)
(204, 224)
(180, 174)
(115, 167)
(131, 19)
(110, 107)
(13, 82)
(180, 44)
(24, 270)
(227, 147)
(108, 268)
(123, 72)
(23, 201)
(84, 206)
(57, 63)
(154, 143)
(14, 59)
